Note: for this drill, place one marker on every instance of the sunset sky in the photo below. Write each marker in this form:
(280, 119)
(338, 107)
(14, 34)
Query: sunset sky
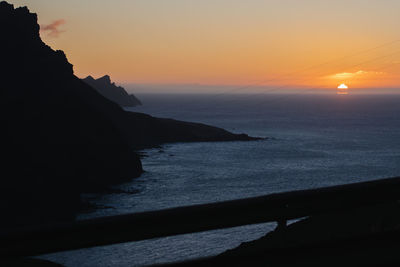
(272, 43)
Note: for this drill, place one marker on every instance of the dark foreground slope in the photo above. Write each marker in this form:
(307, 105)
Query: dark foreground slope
(115, 93)
(59, 137)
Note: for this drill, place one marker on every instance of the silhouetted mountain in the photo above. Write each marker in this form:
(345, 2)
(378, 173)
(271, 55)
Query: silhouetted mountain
(113, 92)
(60, 137)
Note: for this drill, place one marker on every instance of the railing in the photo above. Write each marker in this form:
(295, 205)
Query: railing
(154, 224)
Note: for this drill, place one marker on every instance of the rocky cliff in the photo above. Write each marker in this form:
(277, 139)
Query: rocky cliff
(57, 137)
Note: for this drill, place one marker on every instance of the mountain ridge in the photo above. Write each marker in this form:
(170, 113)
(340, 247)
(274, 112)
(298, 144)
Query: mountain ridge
(111, 91)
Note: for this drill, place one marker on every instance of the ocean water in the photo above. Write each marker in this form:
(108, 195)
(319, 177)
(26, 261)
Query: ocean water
(313, 141)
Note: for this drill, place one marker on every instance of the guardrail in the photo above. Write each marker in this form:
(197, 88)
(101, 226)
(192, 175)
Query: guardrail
(155, 224)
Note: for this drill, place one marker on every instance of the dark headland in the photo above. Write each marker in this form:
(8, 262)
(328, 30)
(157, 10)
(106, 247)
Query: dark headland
(59, 136)
(111, 91)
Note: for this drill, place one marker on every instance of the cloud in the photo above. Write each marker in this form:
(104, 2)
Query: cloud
(356, 74)
(52, 29)
(347, 75)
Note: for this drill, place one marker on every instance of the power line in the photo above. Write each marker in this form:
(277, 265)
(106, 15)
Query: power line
(307, 90)
(306, 69)
(311, 67)
(275, 89)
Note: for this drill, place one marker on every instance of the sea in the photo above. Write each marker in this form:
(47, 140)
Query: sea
(312, 140)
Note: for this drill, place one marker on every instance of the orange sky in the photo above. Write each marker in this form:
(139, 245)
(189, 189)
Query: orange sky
(281, 43)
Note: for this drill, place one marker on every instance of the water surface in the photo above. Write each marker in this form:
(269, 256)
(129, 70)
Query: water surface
(314, 141)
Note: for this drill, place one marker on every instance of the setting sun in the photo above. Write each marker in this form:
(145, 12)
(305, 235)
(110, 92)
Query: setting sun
(342, 89)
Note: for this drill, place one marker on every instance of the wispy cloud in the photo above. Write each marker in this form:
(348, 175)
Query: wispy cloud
(349, 75)
(53, 29)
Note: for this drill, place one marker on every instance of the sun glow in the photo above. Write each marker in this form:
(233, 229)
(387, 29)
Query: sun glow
(343, 86)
